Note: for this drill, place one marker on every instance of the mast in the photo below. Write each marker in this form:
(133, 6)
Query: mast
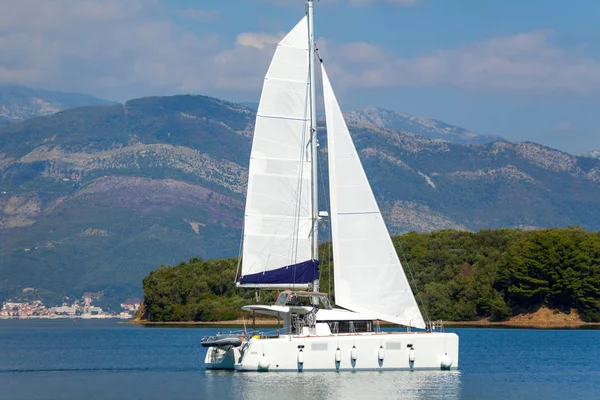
(313, 140)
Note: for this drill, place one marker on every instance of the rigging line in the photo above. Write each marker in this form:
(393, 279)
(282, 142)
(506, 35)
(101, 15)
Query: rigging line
(322, 161)
(303, 160)
(299, 202)
(239, 264)
(329, 233)
(412, 277)
(303, 152)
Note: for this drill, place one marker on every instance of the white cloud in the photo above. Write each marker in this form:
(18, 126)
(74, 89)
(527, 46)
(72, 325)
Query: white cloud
(112, 48)
(522, 62)
(243, 66)
(259, 41)
(119, 49)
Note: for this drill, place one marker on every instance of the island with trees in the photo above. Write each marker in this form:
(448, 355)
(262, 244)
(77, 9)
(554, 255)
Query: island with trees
(490, 275)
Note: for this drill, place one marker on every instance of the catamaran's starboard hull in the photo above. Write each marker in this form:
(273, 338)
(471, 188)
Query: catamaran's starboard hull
(358, 352)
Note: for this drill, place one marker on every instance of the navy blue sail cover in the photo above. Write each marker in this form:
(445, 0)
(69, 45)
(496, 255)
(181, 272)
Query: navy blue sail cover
(302, 273)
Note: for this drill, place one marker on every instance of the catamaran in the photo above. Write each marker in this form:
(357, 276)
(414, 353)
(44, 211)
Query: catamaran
(280, 242)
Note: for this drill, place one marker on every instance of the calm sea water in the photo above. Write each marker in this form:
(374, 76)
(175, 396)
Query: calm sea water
(109, 360)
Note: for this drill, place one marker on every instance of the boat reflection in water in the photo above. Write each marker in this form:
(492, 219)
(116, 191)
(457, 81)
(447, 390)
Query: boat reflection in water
(333, 386)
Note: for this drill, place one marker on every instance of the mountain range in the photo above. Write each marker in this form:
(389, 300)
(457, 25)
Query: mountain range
(94, 198)
(20, 102)
(397, 121)
(591, 154)
(427, 127)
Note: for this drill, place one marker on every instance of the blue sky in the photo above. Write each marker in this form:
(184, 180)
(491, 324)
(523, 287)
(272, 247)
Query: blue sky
(521, 69)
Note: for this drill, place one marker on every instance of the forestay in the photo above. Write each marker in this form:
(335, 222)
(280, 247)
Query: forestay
(368, 275)
(278, 216)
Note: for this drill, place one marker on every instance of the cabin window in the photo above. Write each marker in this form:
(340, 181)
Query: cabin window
(296, 300)
(282, 299)
(350, 326)
(363, 326)
(334, 327)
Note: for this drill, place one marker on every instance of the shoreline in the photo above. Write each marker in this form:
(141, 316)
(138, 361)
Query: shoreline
(449, 324)
(522, 324)
(542, 318)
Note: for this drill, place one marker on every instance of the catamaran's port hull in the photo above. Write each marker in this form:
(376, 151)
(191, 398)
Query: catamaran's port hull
(217, 358)
(356, 352)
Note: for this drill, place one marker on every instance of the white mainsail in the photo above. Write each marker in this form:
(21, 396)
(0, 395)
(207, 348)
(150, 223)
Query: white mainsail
(278, 217)
(368, 275)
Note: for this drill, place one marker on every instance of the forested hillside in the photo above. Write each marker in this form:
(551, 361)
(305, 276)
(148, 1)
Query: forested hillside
(93, 198)
(461, 276)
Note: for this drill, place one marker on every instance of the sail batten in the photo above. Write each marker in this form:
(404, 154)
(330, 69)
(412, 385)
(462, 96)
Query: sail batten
(278, 219)
(368, 274)
(284, 118)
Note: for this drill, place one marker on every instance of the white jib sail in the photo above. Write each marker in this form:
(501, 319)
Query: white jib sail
(368, 275)
(278, 216)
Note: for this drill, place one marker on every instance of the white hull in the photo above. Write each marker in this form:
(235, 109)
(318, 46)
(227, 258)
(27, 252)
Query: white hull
(219, 359)
(357, 352)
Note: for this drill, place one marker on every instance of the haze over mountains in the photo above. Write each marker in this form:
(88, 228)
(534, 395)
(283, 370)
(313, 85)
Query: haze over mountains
(20, 102)
(93, 198)
(397, 121)
(430, 128)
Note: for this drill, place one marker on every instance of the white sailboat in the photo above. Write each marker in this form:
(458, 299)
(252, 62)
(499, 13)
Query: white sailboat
(280, 243)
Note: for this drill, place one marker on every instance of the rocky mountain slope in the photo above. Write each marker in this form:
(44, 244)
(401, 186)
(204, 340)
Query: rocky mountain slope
(20, 102)
(430, 128)
(93, 198)
(591, 154)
